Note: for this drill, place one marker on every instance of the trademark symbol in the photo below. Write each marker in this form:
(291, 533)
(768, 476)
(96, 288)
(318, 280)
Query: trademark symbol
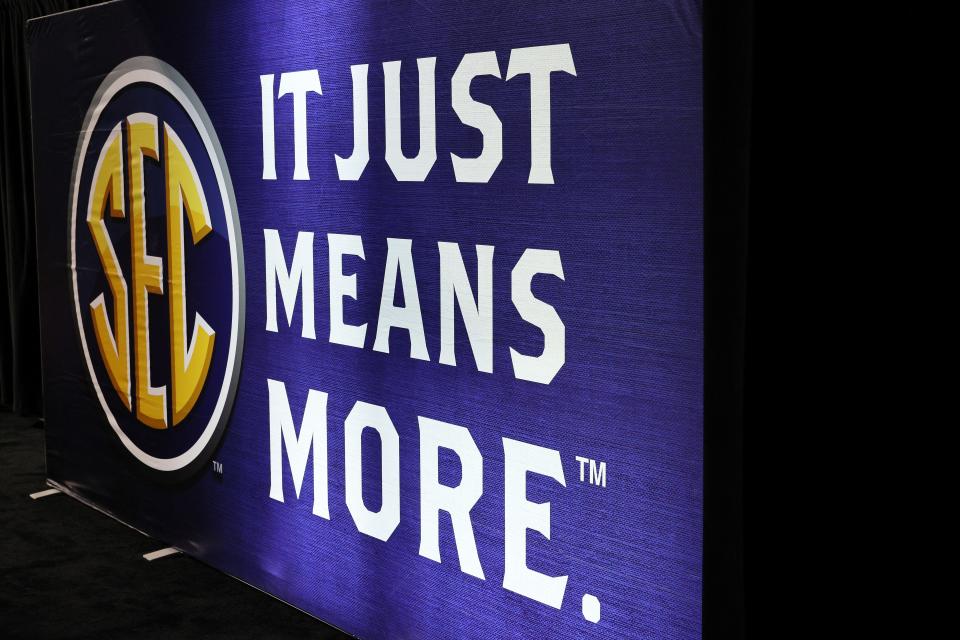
(598, 471)
(218, 468)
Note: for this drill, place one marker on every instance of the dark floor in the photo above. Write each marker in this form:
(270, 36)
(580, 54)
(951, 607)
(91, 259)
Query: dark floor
(68, 571)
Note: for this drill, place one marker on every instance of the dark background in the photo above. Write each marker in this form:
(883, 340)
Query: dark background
(728, 97)
(19, 318)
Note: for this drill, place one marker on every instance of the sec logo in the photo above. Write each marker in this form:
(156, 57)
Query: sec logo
(157, 266)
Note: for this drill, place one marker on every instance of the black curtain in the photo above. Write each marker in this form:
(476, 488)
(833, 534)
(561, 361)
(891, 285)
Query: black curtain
(729, 111)
(20, 388)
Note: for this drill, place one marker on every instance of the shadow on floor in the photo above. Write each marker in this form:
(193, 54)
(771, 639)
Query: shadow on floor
(68, 571)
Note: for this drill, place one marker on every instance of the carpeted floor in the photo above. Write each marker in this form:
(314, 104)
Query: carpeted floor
(68, 571)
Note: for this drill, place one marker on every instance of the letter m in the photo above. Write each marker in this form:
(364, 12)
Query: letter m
(283, 435)
(598, 473)
(290, 280)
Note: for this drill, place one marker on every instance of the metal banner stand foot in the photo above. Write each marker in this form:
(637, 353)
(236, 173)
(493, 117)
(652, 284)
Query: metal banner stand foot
(160, 553)
(44, 493)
